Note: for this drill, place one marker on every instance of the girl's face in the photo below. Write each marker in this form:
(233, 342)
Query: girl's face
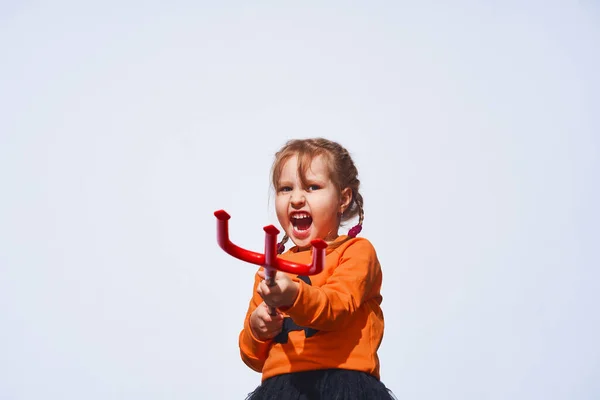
(311, 212)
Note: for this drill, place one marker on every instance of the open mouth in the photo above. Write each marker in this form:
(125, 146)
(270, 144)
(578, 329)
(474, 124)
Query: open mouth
(301, 221)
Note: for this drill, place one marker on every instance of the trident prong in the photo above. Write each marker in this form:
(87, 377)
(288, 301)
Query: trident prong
(269, 259)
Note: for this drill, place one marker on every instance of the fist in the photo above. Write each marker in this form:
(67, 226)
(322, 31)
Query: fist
(282, 293)
(263, 325)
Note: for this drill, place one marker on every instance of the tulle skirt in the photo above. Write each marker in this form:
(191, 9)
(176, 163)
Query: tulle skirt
(327, 384)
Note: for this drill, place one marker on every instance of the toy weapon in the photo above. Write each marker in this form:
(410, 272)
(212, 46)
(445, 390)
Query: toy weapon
(269, 259)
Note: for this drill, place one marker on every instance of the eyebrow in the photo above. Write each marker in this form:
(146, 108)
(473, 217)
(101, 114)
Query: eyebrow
(320, 181)
(284, 183)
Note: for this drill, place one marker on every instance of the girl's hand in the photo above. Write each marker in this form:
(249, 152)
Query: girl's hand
(282, 294)
(264, 326)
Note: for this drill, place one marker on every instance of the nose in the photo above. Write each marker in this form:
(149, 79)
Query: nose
(297, 199)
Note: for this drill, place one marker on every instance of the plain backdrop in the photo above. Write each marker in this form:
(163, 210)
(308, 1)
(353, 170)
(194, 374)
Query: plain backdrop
(124, 125)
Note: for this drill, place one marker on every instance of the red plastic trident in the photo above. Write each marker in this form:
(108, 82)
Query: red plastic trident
(269, 259)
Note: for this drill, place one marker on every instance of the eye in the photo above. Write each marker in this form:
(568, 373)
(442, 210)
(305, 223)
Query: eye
(285, 189)
(313, 187)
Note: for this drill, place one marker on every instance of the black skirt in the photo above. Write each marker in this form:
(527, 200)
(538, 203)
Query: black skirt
(326, 384)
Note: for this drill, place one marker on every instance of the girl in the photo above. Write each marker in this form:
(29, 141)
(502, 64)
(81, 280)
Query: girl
(323, 342)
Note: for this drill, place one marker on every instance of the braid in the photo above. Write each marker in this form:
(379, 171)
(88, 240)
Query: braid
(281, 245)
(358, 200)
(359, 204)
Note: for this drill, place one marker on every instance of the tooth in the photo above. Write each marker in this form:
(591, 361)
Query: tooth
(300, 215)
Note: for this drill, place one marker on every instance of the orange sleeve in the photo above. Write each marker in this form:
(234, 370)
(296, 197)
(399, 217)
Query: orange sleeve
(355, 280)
(253, 351)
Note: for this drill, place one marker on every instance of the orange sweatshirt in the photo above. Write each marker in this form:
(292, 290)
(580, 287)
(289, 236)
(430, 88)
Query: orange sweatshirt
(342, 304)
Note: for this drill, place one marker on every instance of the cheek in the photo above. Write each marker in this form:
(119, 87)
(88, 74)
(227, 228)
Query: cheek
(280, 209)
(328, 210)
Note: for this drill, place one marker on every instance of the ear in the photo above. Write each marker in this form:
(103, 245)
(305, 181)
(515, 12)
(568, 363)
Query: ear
(345, 199)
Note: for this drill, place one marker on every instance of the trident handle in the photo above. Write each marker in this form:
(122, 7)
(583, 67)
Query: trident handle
(269, 259)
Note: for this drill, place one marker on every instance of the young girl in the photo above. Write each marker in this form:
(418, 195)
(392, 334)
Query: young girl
(323, 342)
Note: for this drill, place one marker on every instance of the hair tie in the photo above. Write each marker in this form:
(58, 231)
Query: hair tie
(280, 248)
(355, 230)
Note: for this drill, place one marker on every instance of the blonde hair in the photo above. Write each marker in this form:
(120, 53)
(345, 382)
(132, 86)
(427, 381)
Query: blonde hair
(342, 171)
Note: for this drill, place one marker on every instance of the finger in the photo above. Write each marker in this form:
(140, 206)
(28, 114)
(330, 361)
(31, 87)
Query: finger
(277, 318)
(273, 332)
(263, 314)
(265, 290)
(272, 312)
(273, 324)
(262, 311)
(267, 318)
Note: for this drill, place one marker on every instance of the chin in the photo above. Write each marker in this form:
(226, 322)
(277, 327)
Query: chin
(304, 244)
(300, 242)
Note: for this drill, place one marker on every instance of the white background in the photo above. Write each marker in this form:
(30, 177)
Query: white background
(124, 125)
